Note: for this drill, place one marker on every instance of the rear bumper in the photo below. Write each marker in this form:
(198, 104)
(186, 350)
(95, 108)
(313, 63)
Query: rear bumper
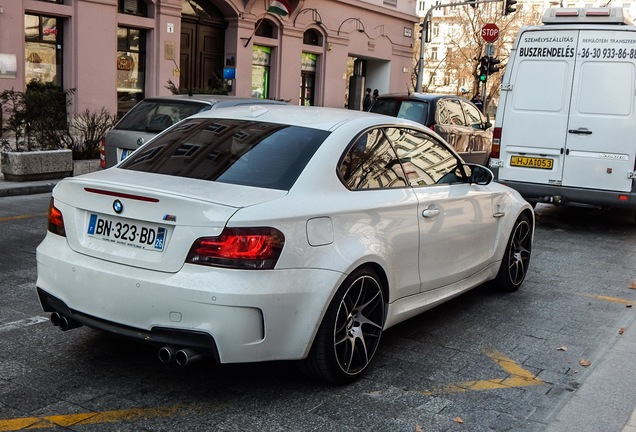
(232, 315)
(535, 192)
(160, 336)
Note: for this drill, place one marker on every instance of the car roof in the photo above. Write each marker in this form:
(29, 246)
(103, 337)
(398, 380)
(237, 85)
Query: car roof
(211, 99)
(418, 96)
(308, 116)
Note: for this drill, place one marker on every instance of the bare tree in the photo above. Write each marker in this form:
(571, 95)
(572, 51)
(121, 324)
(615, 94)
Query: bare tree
(460, 45)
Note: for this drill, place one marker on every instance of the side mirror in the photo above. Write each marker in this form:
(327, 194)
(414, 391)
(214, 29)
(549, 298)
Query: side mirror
(479, 174)
(487, 124)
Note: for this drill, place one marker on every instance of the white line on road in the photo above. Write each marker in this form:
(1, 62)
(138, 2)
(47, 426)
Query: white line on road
(22, 323)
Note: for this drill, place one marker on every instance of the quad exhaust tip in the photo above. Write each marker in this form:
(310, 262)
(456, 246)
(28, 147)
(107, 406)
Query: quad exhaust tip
(63, 322)
(182, 357)
(167, 354)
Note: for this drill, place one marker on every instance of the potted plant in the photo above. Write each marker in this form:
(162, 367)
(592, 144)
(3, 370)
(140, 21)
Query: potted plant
(42, 142)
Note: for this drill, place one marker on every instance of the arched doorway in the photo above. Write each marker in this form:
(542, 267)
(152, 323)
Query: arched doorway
(202, 45)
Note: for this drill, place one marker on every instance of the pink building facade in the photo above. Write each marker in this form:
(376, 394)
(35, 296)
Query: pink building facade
(115, 52)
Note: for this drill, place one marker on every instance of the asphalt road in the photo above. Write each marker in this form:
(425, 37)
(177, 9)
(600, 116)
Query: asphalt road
(485, 361)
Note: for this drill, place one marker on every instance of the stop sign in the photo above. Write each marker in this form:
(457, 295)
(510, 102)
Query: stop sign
(490, 32)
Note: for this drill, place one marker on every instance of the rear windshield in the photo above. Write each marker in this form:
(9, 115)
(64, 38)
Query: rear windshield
(251, 153)
(155, 116)
(402, 108)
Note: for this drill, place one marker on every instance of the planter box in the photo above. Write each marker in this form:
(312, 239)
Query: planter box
(85, 166)
(37, 165)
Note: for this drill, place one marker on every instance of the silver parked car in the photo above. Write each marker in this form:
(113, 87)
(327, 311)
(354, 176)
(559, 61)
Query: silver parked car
(155, 114)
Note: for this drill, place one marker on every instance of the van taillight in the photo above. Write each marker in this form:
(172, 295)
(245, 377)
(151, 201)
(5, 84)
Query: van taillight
(56, 221)
(102, 153)
(239, 248)
(496, 142)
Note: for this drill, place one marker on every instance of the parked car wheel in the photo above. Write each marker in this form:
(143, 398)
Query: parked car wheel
(514, 265)
(350, 331)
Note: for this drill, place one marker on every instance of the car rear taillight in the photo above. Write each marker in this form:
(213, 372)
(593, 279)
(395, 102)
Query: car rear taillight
(496, 141)
(56, 221)
(239, 248)
(102, 153)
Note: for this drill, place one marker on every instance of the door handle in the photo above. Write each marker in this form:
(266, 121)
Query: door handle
(580, 131)
(430, 212)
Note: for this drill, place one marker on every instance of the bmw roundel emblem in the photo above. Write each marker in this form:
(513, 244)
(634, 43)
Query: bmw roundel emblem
(118, 206)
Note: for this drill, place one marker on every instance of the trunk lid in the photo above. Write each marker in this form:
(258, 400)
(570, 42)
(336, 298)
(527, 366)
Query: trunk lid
(147, 220)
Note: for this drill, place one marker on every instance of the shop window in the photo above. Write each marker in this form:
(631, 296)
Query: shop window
(308, 78)
(43, 49)
(131, 67)
(266, 28)
(133, 7)
(312, 37)
(261, 58)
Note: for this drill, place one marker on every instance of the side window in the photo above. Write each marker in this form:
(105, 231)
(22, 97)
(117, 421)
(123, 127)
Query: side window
(473, 116)
(371, 163)
(450, 112)
(426, 160)
(412, 111)
(386, 106)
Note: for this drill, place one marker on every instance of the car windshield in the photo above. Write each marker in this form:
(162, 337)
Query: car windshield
(155, 116)
(251, 153)
(402, 108)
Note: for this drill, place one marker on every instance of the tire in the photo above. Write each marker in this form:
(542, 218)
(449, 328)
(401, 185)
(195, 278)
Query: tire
(349, 334)
(514, 265)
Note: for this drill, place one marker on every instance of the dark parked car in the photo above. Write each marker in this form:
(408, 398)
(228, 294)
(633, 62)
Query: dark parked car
(455, 118)
(155, 114)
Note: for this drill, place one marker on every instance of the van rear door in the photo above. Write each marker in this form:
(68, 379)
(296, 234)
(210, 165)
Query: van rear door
(601, 134)
(535, 120)
(572, 120)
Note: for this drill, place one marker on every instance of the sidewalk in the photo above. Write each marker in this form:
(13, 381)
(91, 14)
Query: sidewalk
(605, 401)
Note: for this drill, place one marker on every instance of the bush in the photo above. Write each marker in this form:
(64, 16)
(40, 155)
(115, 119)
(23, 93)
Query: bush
(45, 115)
(38, 120)
(221, 89)
(13, 106)
(88, 129)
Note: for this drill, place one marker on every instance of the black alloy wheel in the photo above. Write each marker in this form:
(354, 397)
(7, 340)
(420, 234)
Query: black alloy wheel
(350, 332)
(516, 260)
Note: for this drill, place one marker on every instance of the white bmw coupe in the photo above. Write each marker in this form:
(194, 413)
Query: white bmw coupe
(278, 233)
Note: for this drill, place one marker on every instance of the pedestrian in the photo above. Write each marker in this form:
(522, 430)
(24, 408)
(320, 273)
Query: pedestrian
(478, 102)
(366, 104)
(376, 93)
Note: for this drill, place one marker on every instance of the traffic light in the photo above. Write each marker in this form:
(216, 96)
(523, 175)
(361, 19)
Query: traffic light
(483, 69)
(492, 68)
(509, 6)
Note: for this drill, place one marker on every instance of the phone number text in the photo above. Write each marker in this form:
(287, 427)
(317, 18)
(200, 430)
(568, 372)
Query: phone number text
(608, 53)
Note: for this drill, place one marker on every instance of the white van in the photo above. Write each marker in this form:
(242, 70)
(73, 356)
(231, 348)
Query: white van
(565, 130)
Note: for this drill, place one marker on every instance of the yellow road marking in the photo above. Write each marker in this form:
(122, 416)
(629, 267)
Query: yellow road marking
(68, 420)
(518, 377)
(10, 218)
(609, 299)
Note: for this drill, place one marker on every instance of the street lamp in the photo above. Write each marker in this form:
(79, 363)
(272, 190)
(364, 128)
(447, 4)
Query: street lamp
(359, 25)
(315, 16)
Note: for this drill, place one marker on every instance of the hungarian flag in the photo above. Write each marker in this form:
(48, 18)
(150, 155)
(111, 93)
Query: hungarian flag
(279, 7)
